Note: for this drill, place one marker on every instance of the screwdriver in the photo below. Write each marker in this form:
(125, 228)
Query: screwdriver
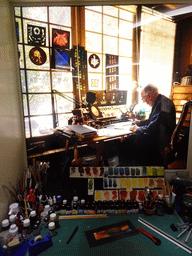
(156, 240)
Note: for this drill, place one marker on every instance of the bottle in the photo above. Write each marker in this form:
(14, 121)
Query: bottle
(160, 206)
(12, 219)
(47, 208)
(135, 207)
(105, 207)
(68, 209)
(99, 207)
(63, 207)
(36, 229)
(75, 205)
(54, 218)
(82, 207)
(46, 222)
(33, 217)
(129, 207)
(93, 208)
(43, 201)
(27, 230)
(50, 202)
(13, 230)
(52, 229)
(58, 204)
(5, 224)
(123, 207)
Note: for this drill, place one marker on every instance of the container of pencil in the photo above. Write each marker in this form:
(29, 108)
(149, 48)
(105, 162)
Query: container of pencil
(170, 206)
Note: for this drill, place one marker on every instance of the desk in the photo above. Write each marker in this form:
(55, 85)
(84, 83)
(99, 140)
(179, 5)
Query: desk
(110, 132)
(137, 245)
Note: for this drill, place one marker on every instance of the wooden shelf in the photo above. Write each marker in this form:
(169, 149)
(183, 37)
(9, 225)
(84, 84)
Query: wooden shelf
(180, 94)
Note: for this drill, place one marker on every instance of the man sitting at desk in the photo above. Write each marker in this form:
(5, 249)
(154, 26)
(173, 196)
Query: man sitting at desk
(145, 146)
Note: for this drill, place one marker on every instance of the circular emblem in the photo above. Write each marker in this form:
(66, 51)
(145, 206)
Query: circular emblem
(94, 60)
(37, 56)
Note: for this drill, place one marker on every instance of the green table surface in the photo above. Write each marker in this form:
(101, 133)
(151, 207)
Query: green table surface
(134, 245)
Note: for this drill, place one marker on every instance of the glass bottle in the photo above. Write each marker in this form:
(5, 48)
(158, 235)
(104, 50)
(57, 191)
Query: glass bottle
(52, 229)
(82, 206)
(5, 224)
(160, 206)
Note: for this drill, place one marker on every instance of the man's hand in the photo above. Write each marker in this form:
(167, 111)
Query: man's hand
(136, 122)
(133, 128)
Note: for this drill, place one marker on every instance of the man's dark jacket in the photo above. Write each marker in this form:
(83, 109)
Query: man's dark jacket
(161, 123)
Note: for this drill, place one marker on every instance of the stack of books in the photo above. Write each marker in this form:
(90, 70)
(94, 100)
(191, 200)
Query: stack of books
(83, 131)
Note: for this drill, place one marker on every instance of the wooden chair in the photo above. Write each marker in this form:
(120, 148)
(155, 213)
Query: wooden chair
(178, 138)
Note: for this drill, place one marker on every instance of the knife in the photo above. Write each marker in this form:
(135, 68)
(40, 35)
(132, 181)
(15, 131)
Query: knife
(156, 240)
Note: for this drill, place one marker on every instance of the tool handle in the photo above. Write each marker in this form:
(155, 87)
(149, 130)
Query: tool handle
(156, 240)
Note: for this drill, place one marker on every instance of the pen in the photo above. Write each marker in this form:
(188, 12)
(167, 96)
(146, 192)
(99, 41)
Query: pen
(75, 230)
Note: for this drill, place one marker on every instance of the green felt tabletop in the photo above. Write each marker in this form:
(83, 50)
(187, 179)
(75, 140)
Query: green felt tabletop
(135, 245)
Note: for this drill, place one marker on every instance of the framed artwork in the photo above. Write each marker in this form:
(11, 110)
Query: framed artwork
(61, 59)
(110, 233)
(36, 35)
(37, 56)
(60, 39)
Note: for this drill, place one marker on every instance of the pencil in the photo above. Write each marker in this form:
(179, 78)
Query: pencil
(75, 230)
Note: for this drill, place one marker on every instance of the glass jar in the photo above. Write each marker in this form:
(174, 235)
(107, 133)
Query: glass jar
(180, 181)
(186, 208)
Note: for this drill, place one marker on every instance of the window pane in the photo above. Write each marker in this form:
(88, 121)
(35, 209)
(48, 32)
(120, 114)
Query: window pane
(125, 81)
(41, 125)
(95, 8)
(63, 119)
(93, 42)
(17, 11)
(38, 57)
(25, 109)
(110, 45)
(26, 121)
(125, 47)
(40, 104)
(60, 15)
(23, 84)
(18, 30)
(125, 65)
(21, 58)
(64, 105)
(95, 82)
(126, 15)
(110, 10)
(62, 81)
(38, 81)
(125, 29)
(92, 18)
(110, 26)
(35, 13)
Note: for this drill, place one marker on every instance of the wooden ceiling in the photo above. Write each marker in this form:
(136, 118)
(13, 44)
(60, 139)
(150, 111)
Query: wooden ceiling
(175, 11)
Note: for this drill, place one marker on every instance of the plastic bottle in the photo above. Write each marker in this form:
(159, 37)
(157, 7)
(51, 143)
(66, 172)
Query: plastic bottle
(135, 207)
(123, 207)
(13, 230)
(129, 207)
(47, 208)
(12, 219)
(5, 224)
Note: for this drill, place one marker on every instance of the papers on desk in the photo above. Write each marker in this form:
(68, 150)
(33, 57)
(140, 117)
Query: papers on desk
(115, 129)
